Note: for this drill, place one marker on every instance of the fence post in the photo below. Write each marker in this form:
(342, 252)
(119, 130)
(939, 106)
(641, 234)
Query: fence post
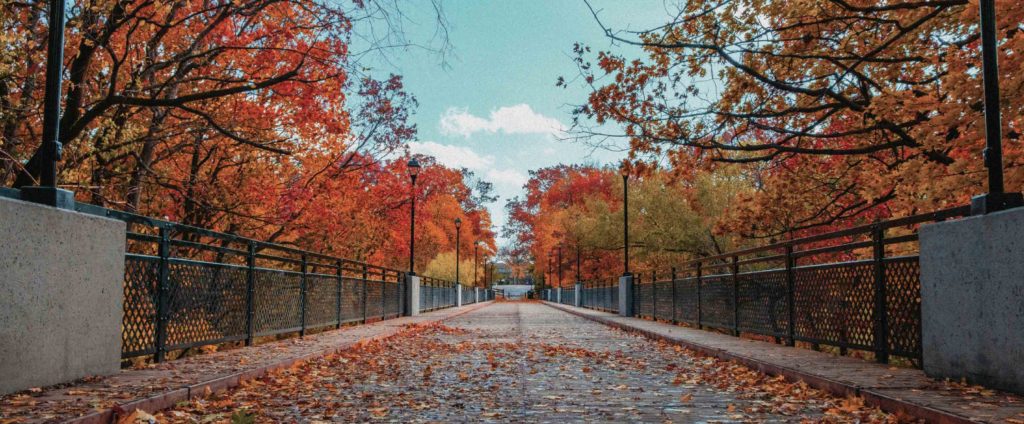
(364, 300)
(881, 307)
(674, 295)
(735, 296)
(337, 297)
(162, 282)
(383, 294)
(700, 308)
(790, 298)
(250, 293)
(654, 295)
(634, 288)
(302, 288)
(402, 281)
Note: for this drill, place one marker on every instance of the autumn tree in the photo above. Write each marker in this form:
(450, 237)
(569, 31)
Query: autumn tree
(579, 210)
(839, 109)
(252, 117)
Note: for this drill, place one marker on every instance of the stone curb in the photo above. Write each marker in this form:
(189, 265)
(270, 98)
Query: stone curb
(871, 397)
(219, 384)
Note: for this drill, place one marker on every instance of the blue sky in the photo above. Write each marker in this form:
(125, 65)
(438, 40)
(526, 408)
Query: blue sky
(491, 105)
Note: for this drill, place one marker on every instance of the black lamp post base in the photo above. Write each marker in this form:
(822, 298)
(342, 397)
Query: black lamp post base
(50, 196)
(994, 202)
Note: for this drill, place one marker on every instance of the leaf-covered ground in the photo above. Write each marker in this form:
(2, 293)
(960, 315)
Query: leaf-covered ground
(520, 362)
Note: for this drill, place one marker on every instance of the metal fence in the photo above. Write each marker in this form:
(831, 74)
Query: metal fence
(568, 296)
(853, 289)
(436, 294)
(186, 287)
(602, 295)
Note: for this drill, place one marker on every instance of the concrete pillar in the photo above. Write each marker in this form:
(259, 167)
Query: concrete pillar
(558, 295)
(476, 293)
(578, 301)
(458, 295)
(972, 299)
(626, 296)
(61, 295)
(412, 295)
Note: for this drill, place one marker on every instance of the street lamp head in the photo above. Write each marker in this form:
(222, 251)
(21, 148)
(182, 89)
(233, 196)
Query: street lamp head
(458, 223)
(624, 170)
(414, 167)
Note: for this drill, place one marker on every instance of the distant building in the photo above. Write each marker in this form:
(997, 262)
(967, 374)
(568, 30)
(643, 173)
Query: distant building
(504, 271)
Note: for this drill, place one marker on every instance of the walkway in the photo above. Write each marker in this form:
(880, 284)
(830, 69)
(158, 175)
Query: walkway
(164, 385)
(520, 362)
(495, 362)
(904, 390)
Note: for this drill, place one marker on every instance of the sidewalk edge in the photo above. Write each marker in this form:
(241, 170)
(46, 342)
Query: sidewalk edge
(838, 388)
(222, 383)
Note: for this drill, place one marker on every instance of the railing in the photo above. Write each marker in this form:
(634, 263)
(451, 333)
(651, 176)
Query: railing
(602, 295)
(186, 287)
(436, 294)
(568, 296)
(853, 289)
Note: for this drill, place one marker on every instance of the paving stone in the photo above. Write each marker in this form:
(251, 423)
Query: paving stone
(901, 389)
(510, 362)
(58, 403)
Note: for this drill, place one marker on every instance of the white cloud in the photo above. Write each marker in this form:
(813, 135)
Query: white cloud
(517, 119)
(452, 156)
(509, 177)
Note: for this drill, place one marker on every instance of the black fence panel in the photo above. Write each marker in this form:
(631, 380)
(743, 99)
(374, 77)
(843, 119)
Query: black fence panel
(686, 300)
(643, 299)
(903, 301)
(352, 300)
(834, 304)
(321, 300)
(840, 289)
(186, 287)
(138, 335)
(277, 302)
(206, 303)
(762, 302)
(662, 299)
(716, 301)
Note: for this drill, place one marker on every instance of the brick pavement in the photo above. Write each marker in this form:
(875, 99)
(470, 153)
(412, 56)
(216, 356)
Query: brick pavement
(903, 390)
(161, 385)
(520, 362)
(499, 362)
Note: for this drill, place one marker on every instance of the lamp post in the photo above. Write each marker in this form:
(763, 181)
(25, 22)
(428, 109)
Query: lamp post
(476, 247)
(996, 199)
(547, 278)
(458, 232)
(50, 149)
(414, 170)
(559, 266)
(487, 272)
(624, 171)
(578, 276)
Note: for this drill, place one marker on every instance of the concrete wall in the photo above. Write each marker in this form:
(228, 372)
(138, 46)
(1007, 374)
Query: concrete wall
(413, 291)
(626, 296)
(972, 299)
(61, 276)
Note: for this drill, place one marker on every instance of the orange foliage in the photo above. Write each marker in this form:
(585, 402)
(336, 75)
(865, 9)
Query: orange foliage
(244, 117)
